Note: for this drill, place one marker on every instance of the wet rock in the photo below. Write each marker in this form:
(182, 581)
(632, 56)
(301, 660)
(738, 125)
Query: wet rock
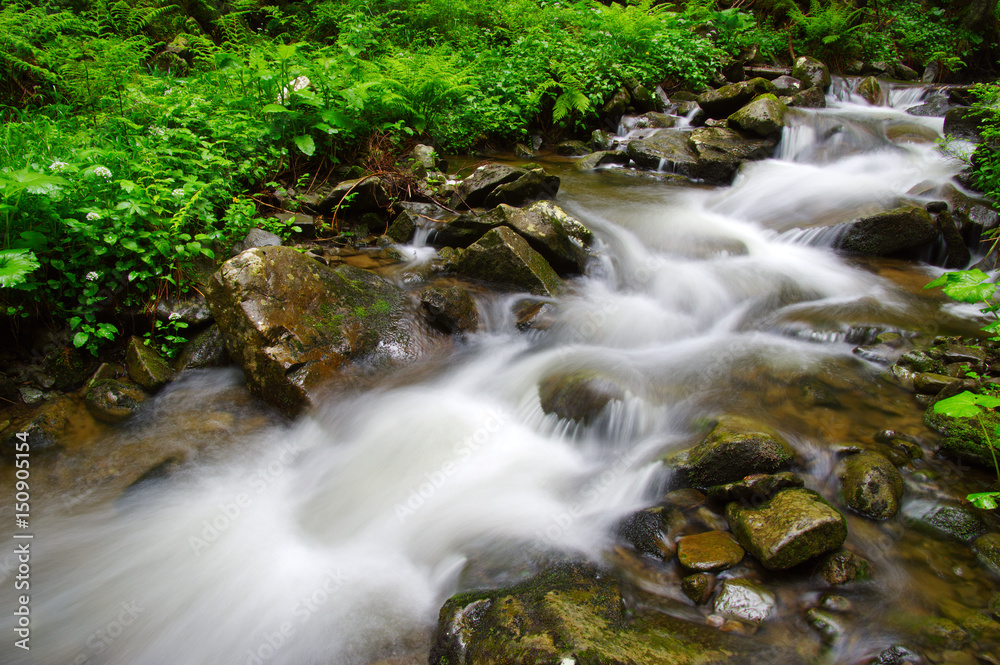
(575, 613)
(897, 655)
(929, 383)
(954, 353)
(427, 157)
(31, 395)
(593, 160)
(112, 401)
(818, 393)
(903, 231)
(468, 228)
(44, 428)
(870, 484)
(810, 98)
(503, 257)
(649, 531)
(255, 238)
(728, 99)
(958, 253)
(792, 527)
(829, 626)
(666, 149)
(653, 120)
(709, 552)
(936, 106)
(870, 88)
(987, 550)
(843, 566)
(811, 72)
(572, 149)
(601, 141)
(764, 116)
(963, 123)
(535, 315)
(944, 521)
(744, 600)
(533, 185)
(837, 604)
(786, 85)
(293, 324)
(207, 349)
(522, 151)
(720, 151)
(962, 438)
(403, 227)
(735, 448)
(615, 107)
(698, 587)
(67, 368)
(917, 361)
(685, 499)
(578, 396)
(367, 194)
(474, 189)
(754, 490)
(192, 311)
(146, 367)
(942, 633)
(450, 309)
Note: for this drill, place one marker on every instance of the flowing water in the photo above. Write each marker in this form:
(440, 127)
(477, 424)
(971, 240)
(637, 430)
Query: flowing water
(336, 538)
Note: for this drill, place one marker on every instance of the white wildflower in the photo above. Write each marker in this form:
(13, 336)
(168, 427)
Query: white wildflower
(93, 216)
(174, 316)
(92, 276)
(57, 166)
(103, 172)
(179, 192)
(157, 131)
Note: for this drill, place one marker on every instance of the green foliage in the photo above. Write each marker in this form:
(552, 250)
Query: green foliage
(970, 405)
(830, 30)
(986, 157)
(15, 264)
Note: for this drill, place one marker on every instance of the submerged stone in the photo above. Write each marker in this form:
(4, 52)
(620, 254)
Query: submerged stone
(904, 231)
(592, 161)
(112, 401)
(709, 552)
(578, 395)
(987, 550)
(944, 521)
(792, 527)
(698, 587)
(829, 626)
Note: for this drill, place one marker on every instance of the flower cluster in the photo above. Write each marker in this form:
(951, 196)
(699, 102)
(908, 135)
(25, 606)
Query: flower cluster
(179, 192)
(103, 172)
(92, 276)
(93, 216)
(57, 166)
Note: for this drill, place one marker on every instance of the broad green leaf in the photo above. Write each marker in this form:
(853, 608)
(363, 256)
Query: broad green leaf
(275, 108)
(965, 405)
(80, 339)
(984, 500)
(965, 285)
(306, 144)
(34, 240)
(15, 264)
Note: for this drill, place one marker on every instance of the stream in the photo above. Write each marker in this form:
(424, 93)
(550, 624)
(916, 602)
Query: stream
(335, 538)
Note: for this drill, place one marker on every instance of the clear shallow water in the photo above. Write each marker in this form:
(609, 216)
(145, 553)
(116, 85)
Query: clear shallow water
(336, 538)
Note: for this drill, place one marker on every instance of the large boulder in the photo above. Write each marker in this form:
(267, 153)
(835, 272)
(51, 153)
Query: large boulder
(764, 116)
(728, 99)
(535, 184)
(360, 195)
(735, 448)
(292, 323)
(870, 484)
(574, 613)
(963, 123)
(792, 527)
(720, 151)
(663, 150)
(503, 257)
(474, 189)
(902, 232)
(871, 90)
(811, 72)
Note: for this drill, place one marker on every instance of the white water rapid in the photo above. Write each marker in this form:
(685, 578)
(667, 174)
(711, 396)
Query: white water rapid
(336, 538)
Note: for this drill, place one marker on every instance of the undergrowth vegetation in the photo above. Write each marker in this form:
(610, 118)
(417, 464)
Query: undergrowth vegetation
(136, 132)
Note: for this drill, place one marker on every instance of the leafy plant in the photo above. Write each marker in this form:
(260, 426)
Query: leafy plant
(15, 264)
(970, 405)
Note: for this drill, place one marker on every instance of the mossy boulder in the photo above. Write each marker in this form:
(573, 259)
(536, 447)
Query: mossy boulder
(709, 552)
(450, 309)
(503, 257)
(987, 550)
(595, 159)
(870, 484)
(206, 349)
(870, 88)
(728, 99)
(720, 151)
(112, 401)
(944, 521)
(472, 192)
(663, 150)
(533, 185)
(811, 72)
(575, 613)
(403, 227)
(764, 116)
(145, 366)
(902, 233)
(735, 448)
(755, 489)
(810, 98)
(962, 438)
(45, 427)
(578, 395)
(792, 527)
(292, 323)
(67, 367)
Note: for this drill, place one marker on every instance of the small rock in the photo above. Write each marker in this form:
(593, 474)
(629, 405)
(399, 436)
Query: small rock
(648, 531)
(929, 383)
(145, 366)
(744, 600)
(829, 626)
(833, 603)
(870, 484)
(522, 151)
(942, 633)
(987, 550)
(31, 395)
(450, 309)
(792, 527)
(811, 72)
(698, 587)
(593, 160)
(403, 227)
(256, 237)
(897, 655)
(192, 311)
(871, 90)
(843, 566)
(111, 401)
(944, 521)
(572, 149)
(709, 552)
(756, 489)
(207, 349)
(601, 141)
